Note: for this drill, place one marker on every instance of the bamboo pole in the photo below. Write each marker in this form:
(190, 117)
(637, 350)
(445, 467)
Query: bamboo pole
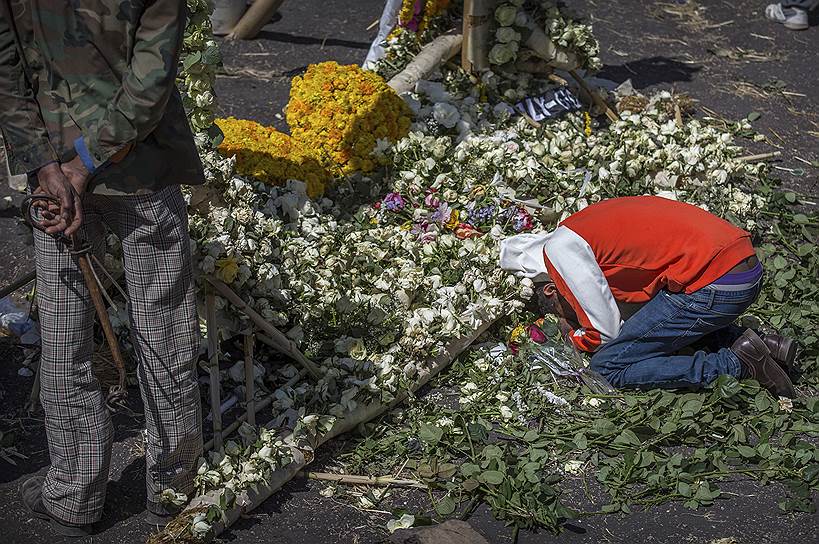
(213, 369)
(256, 16)
(249, 499)
(433, 54)
(476, 23)
(250, 379)
(279, 340)
(760, 157)
(353, 479)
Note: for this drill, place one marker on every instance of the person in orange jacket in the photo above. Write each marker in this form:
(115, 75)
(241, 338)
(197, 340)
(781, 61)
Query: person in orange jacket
(690, 273)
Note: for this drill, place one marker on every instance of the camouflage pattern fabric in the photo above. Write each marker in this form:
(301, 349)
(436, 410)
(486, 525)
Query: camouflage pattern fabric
(104, 70)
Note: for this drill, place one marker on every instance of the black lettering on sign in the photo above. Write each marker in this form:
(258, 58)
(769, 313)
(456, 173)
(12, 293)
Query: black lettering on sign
(549, 105)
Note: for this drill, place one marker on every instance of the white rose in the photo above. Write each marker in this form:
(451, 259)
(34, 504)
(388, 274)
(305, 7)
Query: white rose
(505, 14)
(446, 114)
(501, 53)
(506, 34)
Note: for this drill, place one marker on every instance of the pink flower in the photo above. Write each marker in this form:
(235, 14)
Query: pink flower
(432, 201)
(536, 335)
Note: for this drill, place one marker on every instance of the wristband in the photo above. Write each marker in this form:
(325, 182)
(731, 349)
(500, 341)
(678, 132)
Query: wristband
(85, 156)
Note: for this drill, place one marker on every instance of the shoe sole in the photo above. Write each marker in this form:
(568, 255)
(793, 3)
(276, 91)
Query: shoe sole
(773, 369)
(796, 26)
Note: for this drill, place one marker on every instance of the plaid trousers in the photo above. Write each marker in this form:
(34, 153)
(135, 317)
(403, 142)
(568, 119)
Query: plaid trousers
(153, 229)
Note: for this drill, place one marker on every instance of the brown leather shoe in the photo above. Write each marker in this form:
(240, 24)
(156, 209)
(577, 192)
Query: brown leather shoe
(782, 348)
(758, 364)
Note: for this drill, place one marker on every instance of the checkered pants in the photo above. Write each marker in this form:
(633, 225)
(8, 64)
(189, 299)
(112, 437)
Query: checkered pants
(153, 229)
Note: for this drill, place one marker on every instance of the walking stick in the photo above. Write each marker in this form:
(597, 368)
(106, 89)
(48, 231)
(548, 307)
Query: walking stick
(81, 250)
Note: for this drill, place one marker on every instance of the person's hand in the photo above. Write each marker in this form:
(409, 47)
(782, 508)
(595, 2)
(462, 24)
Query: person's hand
(77, 174)
(68, 218)
(565, 327)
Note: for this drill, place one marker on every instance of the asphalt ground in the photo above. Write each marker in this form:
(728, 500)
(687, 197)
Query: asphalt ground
(721, 52)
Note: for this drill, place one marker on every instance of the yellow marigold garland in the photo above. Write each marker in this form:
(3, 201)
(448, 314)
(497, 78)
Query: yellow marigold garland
(271, 156)
(341, 111)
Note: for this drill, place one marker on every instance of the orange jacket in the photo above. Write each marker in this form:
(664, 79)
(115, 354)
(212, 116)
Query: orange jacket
(629, 249)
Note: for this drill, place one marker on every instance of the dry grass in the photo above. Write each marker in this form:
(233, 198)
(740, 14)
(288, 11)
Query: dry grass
(177, 531)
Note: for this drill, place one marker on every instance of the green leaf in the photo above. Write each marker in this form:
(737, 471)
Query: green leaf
(753, 116)
(446, 506)
(430, 434)
(761, 401)
(628, 438)
(790, 197)
(604, 427)
(684, 489)
(746, 451)
(469, 484)
(531, 435)
(779, 262)
(492, 477)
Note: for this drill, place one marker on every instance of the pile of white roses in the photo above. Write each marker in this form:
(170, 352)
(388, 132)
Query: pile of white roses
(511, 18)
(377, 277)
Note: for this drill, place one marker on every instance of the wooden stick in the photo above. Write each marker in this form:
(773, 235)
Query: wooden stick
(353, 479)
(22, 281)
(280, 341)
(431, 56)
(258, 407)
(249, 499)
(116, 393)
(595, 97)
(213, 369)
(256, 16)
(250, 378)
(760, 156)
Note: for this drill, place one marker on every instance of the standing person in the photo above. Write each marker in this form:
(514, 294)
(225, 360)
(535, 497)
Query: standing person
(89, 109)
(692, 273)
(791, 13)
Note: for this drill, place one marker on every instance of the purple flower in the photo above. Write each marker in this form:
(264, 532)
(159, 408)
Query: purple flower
(393, 202)
(482, 216)
(432, 201)
(441, 215)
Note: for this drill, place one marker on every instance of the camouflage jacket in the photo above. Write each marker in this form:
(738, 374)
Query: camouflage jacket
(97, 78)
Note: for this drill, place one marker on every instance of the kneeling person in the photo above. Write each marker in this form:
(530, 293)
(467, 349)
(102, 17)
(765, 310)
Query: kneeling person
(690, 273)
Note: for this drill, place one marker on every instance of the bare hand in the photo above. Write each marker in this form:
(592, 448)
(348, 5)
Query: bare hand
(68, 218)
(77, 174)
(565, 327)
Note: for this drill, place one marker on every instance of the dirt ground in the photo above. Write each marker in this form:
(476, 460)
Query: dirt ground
(721, 52)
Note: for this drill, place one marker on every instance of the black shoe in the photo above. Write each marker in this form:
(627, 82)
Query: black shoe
(157, 520)
(31, 493)
(758, 364)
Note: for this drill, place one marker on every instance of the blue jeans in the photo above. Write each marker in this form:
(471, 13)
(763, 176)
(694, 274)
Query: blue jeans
(644, 354)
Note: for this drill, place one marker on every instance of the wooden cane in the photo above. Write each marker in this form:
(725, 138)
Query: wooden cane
(118, 393)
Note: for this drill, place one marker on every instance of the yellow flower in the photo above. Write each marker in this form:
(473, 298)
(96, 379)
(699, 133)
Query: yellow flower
(453, 219)
(588, 120)
(516, 333)
(227, 269)
(339, 112)
(271, 156)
